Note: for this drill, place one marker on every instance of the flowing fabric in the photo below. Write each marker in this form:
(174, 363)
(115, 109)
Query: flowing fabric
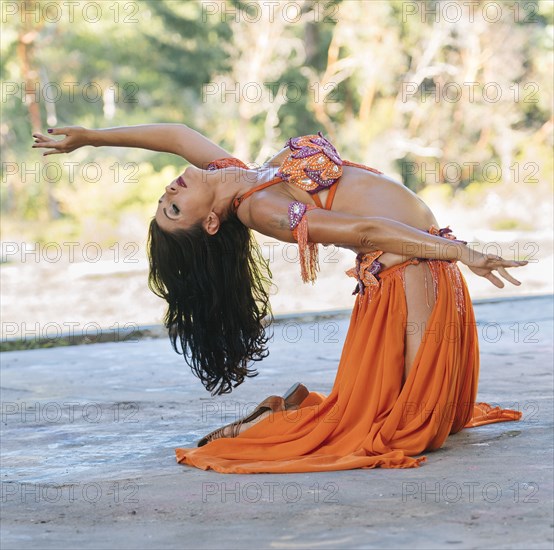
(370, 418)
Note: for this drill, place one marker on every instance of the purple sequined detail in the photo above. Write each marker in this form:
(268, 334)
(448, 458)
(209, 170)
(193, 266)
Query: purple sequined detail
(323, 184)
(301, 152)
(376, 266)
(318, 169)
(327, 148)
(296, 211)
(365, 273)
(445, 232)
(323, 144)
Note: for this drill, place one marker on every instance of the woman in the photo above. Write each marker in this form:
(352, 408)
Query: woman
(409, 370)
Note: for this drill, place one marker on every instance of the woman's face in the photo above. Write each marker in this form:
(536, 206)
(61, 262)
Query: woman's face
(187, 200)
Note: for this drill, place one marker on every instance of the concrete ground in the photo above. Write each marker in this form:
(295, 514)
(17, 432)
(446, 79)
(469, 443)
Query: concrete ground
(88, 438)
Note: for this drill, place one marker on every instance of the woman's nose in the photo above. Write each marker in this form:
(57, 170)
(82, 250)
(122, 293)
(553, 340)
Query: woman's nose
(171, 188)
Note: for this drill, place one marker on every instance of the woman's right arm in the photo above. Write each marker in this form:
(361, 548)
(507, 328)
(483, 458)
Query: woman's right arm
(178, 139)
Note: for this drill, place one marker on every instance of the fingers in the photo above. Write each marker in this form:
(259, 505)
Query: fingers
(46, 142)
(494, 280)
(54, 149)
(40, 138)
(57, 131)
(513, 263)
(498, 260)
(52, 145)
(502, 271)
(43, 144)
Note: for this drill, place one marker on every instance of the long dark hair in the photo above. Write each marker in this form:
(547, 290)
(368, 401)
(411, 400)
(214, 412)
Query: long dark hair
(217, 290)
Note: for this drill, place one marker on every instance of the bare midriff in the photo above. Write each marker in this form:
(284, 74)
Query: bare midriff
(363, 193)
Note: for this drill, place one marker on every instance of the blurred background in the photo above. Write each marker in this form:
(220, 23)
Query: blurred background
(452, 98)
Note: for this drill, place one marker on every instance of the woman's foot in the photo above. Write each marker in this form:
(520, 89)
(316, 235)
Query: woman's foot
(291, 400)
(269, 405)
(231, 431)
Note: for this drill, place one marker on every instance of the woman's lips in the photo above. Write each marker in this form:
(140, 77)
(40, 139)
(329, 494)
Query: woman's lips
(181, 181)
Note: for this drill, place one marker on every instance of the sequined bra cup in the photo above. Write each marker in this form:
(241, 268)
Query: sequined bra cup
(313, 164)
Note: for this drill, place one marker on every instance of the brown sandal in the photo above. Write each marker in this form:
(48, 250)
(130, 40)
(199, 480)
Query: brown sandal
(291, 400)
(273, 403)
(295, 395)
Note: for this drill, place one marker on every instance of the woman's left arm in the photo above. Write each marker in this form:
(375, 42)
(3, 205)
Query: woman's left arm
(368, 234)
(178, 139)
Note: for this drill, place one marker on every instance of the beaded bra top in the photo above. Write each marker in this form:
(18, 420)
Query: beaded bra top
(313, 165)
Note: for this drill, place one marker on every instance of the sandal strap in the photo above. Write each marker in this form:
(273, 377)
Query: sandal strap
(273, 403)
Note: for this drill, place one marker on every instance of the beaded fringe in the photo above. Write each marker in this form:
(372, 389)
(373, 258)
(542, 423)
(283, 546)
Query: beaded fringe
(455, 276)
(433, 268)
(369, 294)
(309, 252)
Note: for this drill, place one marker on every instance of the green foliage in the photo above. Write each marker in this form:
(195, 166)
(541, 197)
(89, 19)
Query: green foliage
(340, 67)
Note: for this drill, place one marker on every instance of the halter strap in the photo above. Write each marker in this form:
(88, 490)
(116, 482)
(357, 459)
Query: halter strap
(331, 196)
(363, 166)
(237, 202)
(328, 203)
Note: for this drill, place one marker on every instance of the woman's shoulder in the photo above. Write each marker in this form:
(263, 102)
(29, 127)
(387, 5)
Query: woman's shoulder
(277, 159)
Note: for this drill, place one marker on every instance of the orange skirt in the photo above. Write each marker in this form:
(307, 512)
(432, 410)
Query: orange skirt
(370, 419)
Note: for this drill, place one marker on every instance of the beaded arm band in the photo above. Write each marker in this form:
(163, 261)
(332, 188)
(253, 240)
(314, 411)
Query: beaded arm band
(309, 257)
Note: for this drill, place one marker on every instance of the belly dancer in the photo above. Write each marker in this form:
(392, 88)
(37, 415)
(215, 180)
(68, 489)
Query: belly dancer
(408, 373)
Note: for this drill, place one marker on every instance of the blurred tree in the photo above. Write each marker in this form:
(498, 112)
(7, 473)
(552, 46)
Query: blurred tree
(426, 97)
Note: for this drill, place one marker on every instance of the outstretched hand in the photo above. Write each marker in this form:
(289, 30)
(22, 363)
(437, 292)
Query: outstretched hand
(76, 136)
(484, 265)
